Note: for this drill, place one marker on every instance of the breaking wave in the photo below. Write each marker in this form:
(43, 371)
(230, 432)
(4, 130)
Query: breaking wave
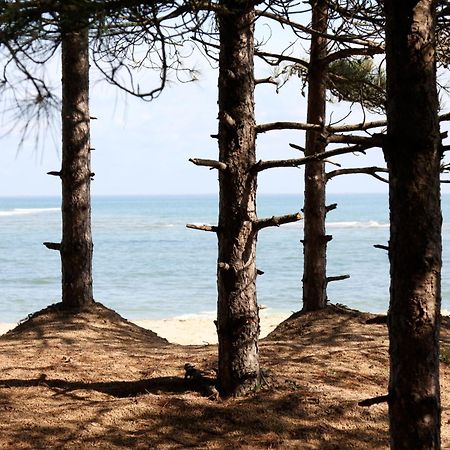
(26, 211)
(357, 224)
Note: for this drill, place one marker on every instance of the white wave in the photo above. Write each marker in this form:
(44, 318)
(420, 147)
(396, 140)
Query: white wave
(26, 211)
(357, 224)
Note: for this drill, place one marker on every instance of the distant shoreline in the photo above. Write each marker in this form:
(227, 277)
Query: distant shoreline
(182, 195)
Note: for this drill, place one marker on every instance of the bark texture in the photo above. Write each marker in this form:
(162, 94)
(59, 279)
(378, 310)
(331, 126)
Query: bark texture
(76, 245)
(315, 240)
(238, 319)
(413, 154)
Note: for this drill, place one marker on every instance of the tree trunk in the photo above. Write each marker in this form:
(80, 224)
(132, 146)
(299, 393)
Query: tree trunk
(238, 319)
(76, 245)
(315, 240)
(412, 151)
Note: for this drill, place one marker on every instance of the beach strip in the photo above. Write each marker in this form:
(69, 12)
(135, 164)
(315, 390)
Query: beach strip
(191, 330)
(201, 330)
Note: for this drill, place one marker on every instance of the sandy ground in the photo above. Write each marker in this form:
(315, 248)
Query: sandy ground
(191, 330)
(96, 381)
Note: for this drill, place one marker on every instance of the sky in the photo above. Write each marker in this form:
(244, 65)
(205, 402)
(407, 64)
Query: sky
(143, 148)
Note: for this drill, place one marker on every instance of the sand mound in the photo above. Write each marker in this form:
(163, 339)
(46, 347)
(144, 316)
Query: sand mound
(95, 322)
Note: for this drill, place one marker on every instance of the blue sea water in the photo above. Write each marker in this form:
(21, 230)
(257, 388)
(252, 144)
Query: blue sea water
(147, 264)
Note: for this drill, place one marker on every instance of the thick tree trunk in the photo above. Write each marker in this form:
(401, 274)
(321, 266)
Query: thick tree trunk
(413, 154)
(315, 240)
(76, 245)
(238, 319)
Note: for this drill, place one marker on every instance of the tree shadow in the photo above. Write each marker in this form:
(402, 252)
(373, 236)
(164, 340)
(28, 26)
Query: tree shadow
(118, 389)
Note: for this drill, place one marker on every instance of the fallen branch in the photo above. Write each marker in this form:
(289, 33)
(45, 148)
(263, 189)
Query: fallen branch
(374, 400)
(198, 380)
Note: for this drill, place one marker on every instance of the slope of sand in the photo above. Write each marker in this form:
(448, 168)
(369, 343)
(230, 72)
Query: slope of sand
(197, 330)
(191, 330)
(96, 381)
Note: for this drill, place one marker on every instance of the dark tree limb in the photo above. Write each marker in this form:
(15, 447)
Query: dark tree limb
(372, 171)
(331, 129)
(276, 221)
(382, 247)
(374, 400)
(338, 278)
(264, 165)
(330, 207)
(310, 31)
(275, 59)
(348, 52)
(297, 147)
(53, 245)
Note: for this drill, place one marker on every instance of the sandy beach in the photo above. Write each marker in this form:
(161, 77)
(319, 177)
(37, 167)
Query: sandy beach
(191, 330)
(95, 380)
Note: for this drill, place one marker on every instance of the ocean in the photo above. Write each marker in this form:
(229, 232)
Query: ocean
(148, 265)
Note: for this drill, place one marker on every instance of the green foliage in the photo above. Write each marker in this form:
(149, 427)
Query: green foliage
(358, 80)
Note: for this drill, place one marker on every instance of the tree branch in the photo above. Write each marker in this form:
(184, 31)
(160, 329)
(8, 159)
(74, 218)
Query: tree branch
(276, 221)
(297, 26)
(287, 126)
(362, 126)
(268, 80)
(53, 245)
(348, 52)
(211, 228)
(372, 171)
(280, 58)
(338, 278)
(376, 140)
(264, 165)
(331, 207)
(209, 163)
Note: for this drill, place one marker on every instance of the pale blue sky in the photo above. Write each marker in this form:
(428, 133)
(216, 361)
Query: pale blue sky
(143, 148)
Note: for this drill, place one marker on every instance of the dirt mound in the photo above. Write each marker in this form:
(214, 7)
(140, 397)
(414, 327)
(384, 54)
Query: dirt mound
(335, 322)
(93, 321)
